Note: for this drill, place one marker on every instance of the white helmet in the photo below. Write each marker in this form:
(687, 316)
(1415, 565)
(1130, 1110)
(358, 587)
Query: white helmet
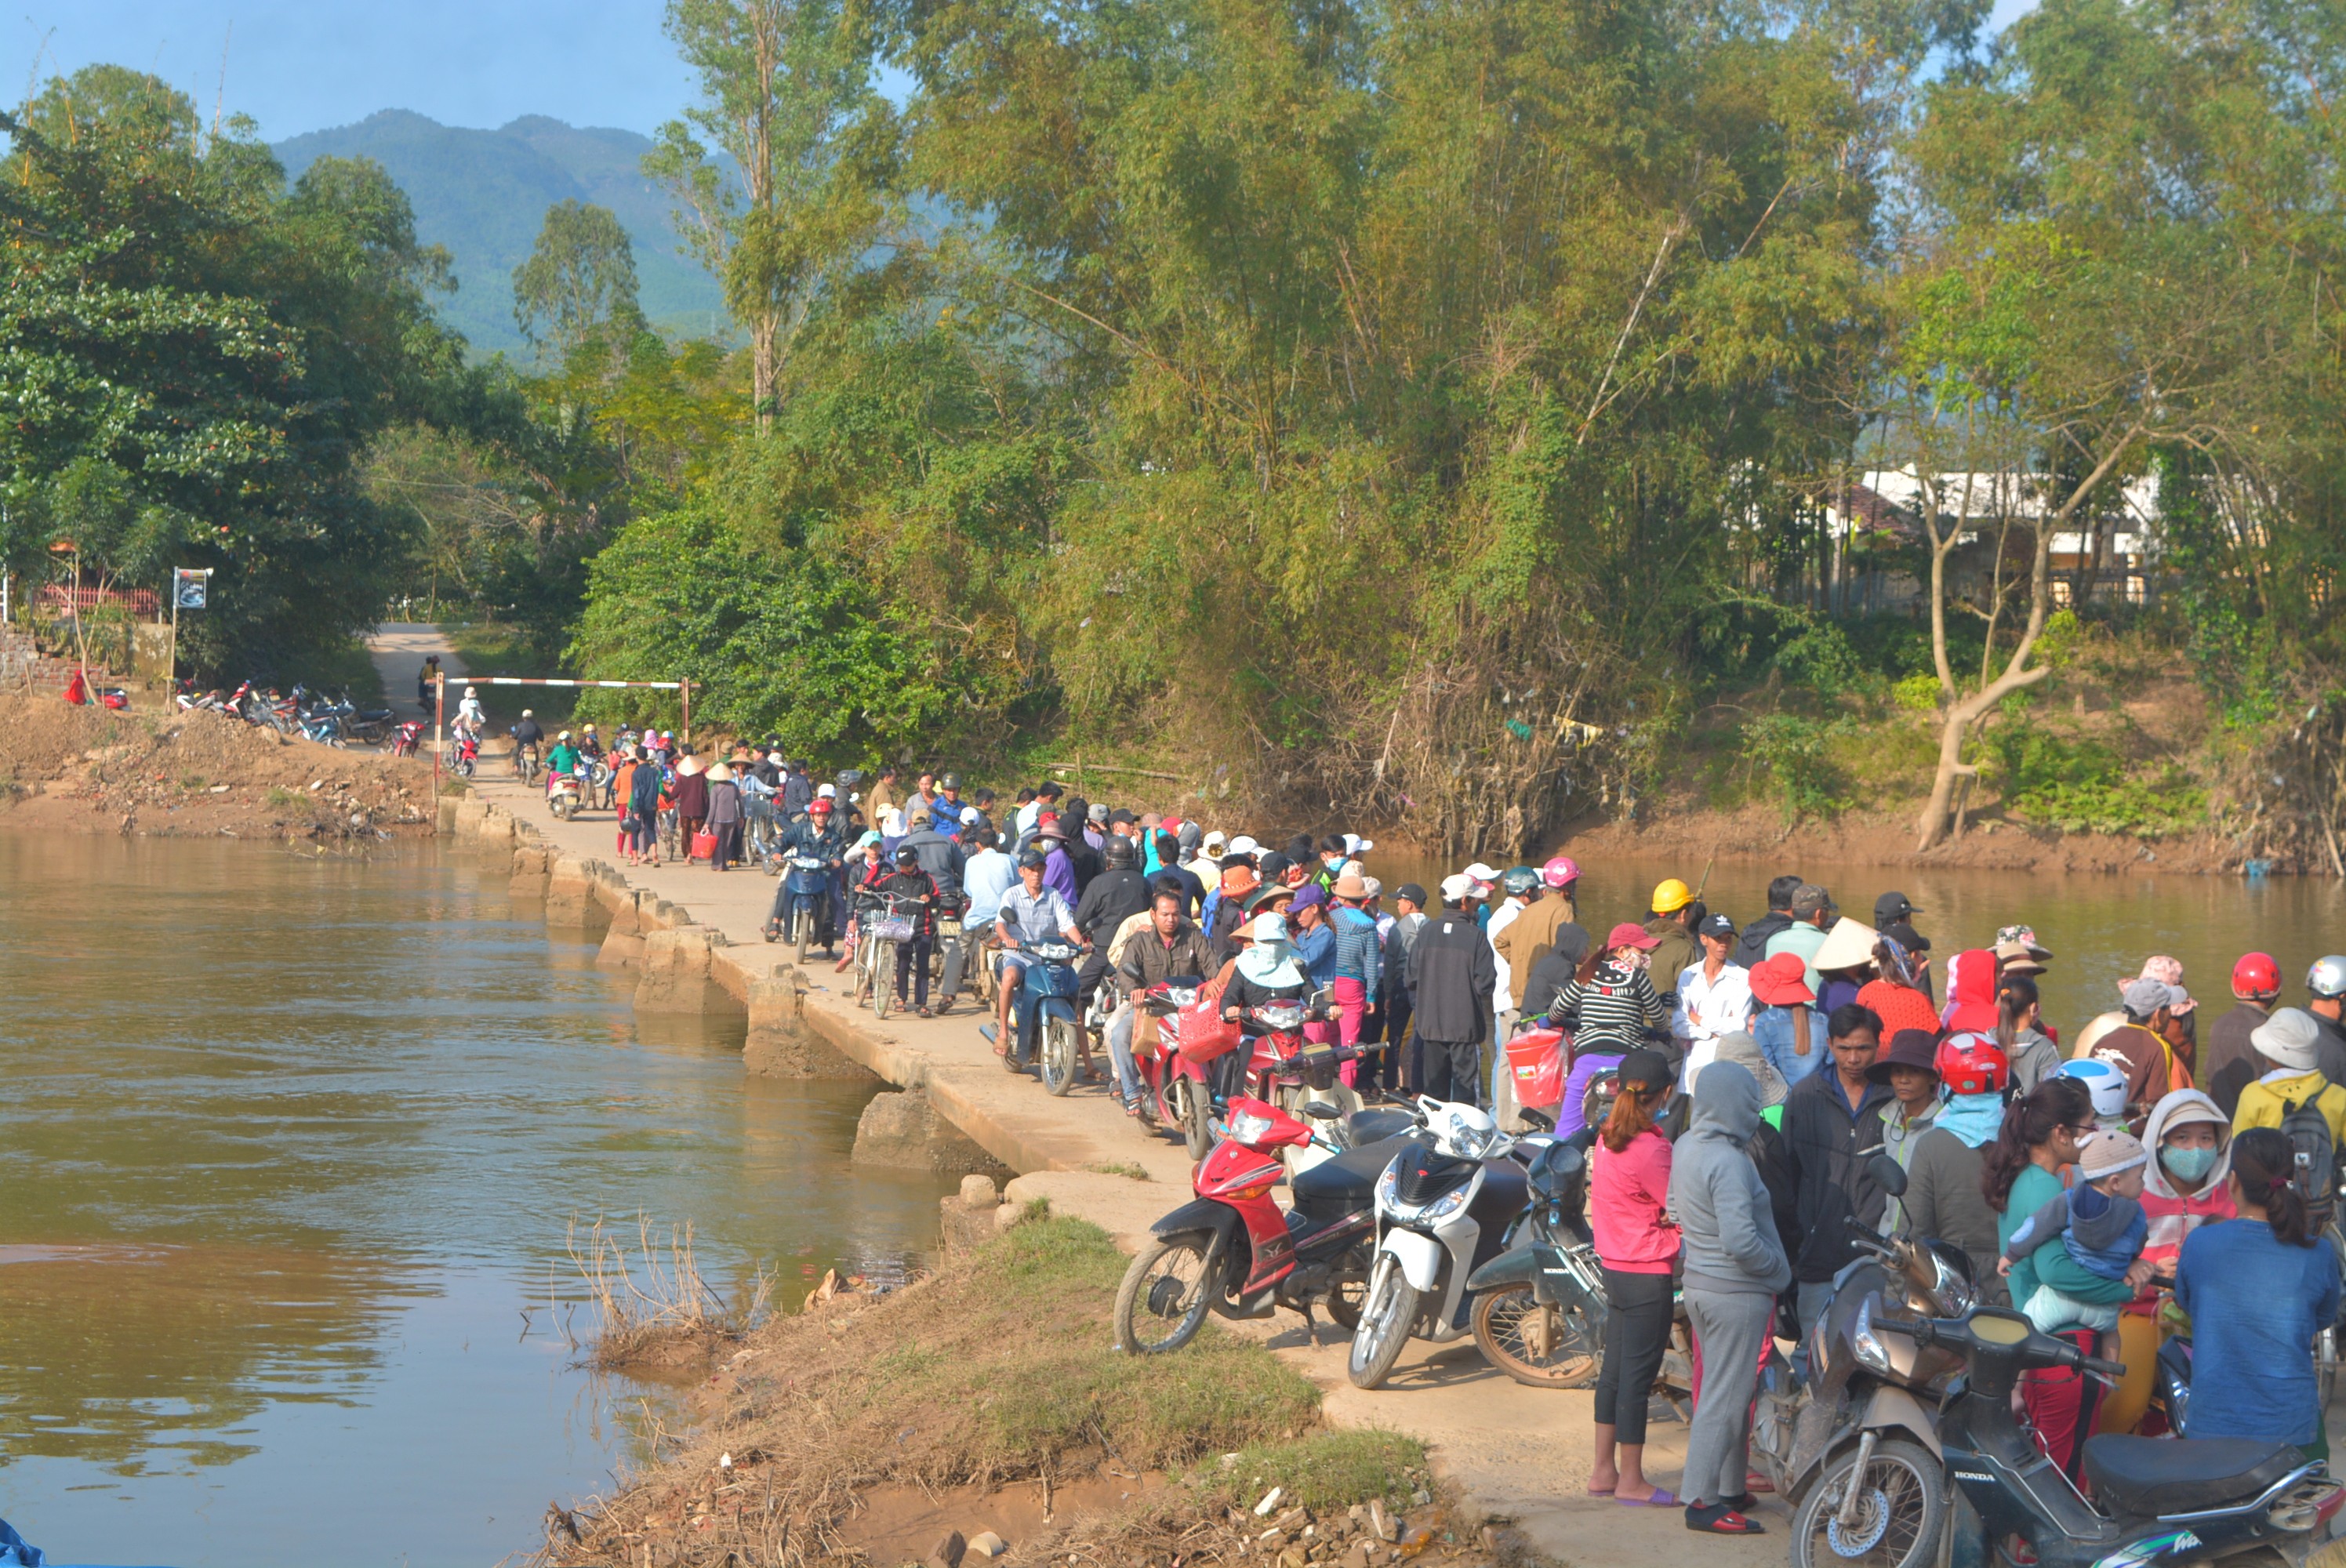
(2327, 978)
(529, 713)
(2105, 1083)
(470, 692)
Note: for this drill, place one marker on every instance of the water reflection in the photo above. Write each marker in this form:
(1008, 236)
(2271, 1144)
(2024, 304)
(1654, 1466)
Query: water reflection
(285, 1168)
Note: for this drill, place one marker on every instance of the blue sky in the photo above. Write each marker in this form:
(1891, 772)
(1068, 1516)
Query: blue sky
(306, 66)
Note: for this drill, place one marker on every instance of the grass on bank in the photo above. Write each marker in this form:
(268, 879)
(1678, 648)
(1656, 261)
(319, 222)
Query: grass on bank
(1001, 1368)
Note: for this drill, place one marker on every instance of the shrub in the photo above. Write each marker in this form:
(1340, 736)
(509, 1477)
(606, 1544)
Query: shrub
(1793, 751)
(1917, 693)
(2081, 785)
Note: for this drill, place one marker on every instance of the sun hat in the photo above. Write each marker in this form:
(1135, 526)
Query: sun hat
(1670, 895)
(1455, 887)
(1268, 926)
(2168, 970)
(1048, 828)
(1629, 934)
(1243, 845)
(1350, 886)
(1560, 872)
(2287, 1039)
(2103, 1155)
(1371, 889)
(1268, 894)
(2017, 958)
(1738, 1046)
(1848, 944)
(1782, 981)
(2023, 936)
(720, 774)
(1917, 1048)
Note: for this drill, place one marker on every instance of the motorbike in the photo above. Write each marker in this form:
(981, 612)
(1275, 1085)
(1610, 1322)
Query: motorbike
(565, 794)
(1287, 1069)
(2165, 1500)
(468, 754)
(406, 739)
(1044, 1028)
(1232, 1251)
(806, 887)
(1444, 1209)
(1540, 1306)
(1177, 1083)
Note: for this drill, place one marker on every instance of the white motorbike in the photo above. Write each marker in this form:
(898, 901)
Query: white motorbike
(1444, 1209)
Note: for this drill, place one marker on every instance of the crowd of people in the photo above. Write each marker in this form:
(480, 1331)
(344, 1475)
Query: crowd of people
(2134, 1183)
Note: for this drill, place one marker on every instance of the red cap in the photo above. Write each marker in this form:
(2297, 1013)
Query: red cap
(1782, 981)
(1972, 1064)
(2256, 974)
(1629, 934)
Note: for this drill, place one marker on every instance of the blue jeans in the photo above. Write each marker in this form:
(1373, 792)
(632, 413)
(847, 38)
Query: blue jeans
(1771, 1027)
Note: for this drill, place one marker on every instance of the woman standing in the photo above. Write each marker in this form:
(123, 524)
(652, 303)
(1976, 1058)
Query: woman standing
(2019, 1029)
(724, 817)
(691, 791)
(1629, 1189)
(2259, 1288)
(2019, 1174)
(2186, 1186)
(1897, 998)
(643, 793)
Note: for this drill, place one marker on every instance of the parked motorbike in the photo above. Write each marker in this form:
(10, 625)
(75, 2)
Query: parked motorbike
(1043, 1025)
(1445, 1206)
(1540, 1306)
(2164, 1500)
(1232, 1251)
(1870, 1397)
(407, 738)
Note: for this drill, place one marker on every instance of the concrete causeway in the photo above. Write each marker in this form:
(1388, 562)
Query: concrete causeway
(694, 937)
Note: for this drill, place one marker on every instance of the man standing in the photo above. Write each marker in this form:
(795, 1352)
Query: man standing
(2325, 984)
(1754, 946)
(2139, 1048)
(1714, 998)
(2232, 1062)
(1893, 917)
(1518, 887)
(1045, 799)
(882, 799)
(1452, 974)
(1812, 914)
(1674, 908)
(986, 875)
(1828, 1120)
(1401, 1069)
(1524, 942)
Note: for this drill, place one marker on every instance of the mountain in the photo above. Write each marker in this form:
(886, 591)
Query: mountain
(484, 193)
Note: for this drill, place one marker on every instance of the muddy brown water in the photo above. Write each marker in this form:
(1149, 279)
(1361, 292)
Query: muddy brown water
(2099, 926)
(286, 1159)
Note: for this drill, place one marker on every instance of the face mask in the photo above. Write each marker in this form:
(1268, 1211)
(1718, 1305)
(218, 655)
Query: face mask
(2187, 1165)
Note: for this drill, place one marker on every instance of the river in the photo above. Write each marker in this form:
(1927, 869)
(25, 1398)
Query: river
(286, 1163)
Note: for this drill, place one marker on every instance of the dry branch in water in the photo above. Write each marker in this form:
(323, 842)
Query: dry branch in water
(674, 1319)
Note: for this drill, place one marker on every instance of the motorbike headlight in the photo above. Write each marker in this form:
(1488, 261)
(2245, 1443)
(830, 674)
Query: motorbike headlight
(1441, 1208)
(1251, 1127)
(1865, 1344)
(1182, 995)
(1389, 1189)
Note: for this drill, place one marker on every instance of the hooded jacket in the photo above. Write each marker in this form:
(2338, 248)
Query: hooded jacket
(2173, 1215)
(1725, 1228)
(2264, 1103)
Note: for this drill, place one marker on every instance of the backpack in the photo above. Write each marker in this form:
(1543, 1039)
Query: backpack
(2307, 1132)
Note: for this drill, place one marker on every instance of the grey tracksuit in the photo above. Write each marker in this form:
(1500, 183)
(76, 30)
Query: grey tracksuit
(1735, 1265)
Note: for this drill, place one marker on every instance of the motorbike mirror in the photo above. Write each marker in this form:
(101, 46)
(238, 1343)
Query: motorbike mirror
(1320, 1111)
(1888, 1174)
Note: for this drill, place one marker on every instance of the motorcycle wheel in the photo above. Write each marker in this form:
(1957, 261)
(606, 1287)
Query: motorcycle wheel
(1166, 1294)
(1197, 1119)
(806, 929)
(883, 978)
(1348, 1286)
(1537, 1345)
(562, 808)
(1386, 1319)
(1058, 1062)
(1901, 1509)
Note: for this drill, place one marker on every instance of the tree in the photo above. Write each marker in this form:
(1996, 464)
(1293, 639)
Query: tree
(779, 80)
(197, 357)
(579, 280)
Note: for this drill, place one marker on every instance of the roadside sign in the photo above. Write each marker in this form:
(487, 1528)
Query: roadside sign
(191, 587)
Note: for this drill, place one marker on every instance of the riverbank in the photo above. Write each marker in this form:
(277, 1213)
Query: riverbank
(70, 769)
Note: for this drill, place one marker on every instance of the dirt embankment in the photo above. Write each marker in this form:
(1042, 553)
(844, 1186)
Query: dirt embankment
(982, 1415)
(88, 770)
(1887, 838)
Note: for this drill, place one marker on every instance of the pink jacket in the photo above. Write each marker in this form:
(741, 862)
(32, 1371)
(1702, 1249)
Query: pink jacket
(2174, 1216)
(1626, 1195)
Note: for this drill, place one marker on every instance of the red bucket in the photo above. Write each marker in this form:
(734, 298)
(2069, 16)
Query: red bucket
(1535, 1062)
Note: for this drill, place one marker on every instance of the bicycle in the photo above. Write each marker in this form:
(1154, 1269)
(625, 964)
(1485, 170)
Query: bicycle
(883, 928)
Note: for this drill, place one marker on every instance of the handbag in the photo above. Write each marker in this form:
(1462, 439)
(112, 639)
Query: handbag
(704, 845)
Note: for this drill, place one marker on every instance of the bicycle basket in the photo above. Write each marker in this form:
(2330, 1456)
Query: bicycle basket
(893, 928)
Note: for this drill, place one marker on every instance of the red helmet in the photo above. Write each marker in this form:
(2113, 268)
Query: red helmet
(1972, 1064)
(822, 807)
(2256, 974)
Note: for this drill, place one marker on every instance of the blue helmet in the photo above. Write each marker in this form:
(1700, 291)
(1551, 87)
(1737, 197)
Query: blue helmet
(2105, 1083)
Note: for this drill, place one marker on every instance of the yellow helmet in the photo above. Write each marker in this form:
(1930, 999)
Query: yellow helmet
(1670, 895)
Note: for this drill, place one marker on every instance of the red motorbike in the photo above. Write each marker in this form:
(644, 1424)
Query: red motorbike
(406, 739)
(1177, 1082)
(1233, 1251)
(1289, 1070)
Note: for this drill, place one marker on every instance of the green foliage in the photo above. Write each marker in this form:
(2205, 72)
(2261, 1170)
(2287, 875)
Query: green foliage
(780, 640)
(1794, 753)
(196, 355)
(2081, 785)
(579, 280)
(1822, 659)
(1916, 693)
(1326, 1469)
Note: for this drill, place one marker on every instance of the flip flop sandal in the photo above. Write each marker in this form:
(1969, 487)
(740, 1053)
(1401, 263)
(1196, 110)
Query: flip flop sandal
(1720, 1519)
(1659, 1499)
